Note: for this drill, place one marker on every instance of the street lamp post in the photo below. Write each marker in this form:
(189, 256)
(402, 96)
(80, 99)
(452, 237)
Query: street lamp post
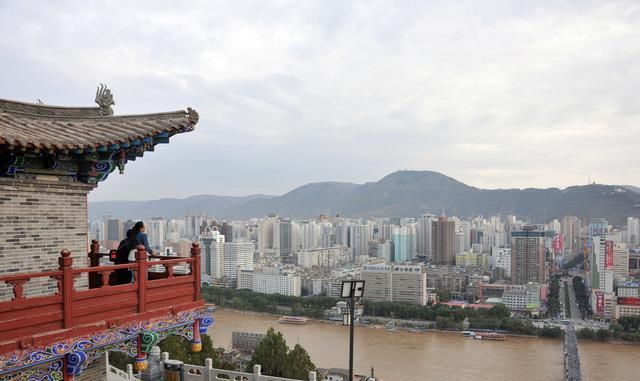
(351, 289)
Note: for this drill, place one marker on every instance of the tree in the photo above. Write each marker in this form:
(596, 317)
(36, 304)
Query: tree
(299, 364)
(443, 294)
(271, 353)
(179, 348)
(499, 311)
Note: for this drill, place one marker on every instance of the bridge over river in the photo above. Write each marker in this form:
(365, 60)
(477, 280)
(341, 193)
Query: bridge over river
(571, 355)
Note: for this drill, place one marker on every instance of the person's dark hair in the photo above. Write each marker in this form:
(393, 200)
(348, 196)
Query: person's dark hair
(137, 227)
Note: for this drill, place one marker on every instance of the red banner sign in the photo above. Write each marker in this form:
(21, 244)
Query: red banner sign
(629, 301)
(557, 244)
(608, 252)
(599, 303)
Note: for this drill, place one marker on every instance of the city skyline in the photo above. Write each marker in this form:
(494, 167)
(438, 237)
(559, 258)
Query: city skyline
(516, 95)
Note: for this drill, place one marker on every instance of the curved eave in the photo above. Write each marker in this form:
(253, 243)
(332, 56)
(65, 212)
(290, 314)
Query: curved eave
(89, 134)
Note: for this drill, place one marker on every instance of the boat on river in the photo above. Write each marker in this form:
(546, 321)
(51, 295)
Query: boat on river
(293, 320)
(490, 336)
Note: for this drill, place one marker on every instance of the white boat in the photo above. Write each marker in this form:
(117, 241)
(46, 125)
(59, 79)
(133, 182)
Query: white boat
(468, 334)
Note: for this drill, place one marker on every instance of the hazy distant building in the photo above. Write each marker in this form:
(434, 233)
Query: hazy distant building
(266, 234)
(386, 251)
(423, 235)
(359, 240)
(283, 238)
(212, 256)
(443, 235)
(114, 230)
(156, 233)
(404, 242)
(571, 234)
(633, 231)
(237, 255)
(527, 255)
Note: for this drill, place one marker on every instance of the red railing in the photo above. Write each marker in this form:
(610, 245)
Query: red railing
(27, 321)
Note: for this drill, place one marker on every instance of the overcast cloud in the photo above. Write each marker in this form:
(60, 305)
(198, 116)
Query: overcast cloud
(495, 94)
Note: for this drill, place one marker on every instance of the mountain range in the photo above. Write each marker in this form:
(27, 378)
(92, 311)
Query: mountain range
(399, 194)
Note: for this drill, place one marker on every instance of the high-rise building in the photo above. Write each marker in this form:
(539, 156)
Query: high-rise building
(227, 231)
(423, 235)
(283, 238)
(602, 264)
(633, 231)
(571, 234)
(386, 251)
(527, 255)
(598, 227)
(237, 255)
(114, 230)
(156, 233)
(266, 234)
(193, 225)
(359, 240)
(620, 261)
(501, 259)
(443, 243)
(212, 257)
(404, 242)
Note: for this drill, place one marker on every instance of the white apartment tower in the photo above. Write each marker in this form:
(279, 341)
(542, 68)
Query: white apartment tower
(212, 257)
(237, 255)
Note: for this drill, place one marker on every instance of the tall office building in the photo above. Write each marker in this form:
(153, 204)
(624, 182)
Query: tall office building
(359, 240)
(598, 227)
(212, 257)
(156, 233)
(237, 255)
(571, 234)
(423, 235)
(527, 255)
(443, 241)
(283, 238)
(266, 234)
(602, 264)
(404, 242)
(620, 260)
(633, 231)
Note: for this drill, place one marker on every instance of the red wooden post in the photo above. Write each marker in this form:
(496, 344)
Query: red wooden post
(94, 261)
(65, 262)
(65, 370)
(195, 270)
(141, 277)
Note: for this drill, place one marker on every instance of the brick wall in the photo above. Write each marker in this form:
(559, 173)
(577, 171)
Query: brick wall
(37, 220)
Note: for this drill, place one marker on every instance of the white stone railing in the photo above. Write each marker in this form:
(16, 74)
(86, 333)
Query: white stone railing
(208, 373)
(115, 374)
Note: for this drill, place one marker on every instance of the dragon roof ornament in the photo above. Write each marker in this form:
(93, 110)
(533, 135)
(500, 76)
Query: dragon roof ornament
(104, 99)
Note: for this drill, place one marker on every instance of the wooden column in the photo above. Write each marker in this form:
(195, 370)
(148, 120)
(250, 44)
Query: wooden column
(141, 278)
(94, 261)
(65, 262)
(65, 370)
(195, 270)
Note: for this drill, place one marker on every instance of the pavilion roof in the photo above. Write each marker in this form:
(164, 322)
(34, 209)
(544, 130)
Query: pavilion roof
(80, 143)
(44, 127)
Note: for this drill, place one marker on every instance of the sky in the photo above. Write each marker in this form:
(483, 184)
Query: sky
(496, 94)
